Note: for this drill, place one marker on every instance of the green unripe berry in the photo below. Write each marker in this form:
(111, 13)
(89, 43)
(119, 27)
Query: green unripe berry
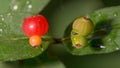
(83, 26)
(79, 41)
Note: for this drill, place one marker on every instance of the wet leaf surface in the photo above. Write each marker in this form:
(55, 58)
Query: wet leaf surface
(13, 43)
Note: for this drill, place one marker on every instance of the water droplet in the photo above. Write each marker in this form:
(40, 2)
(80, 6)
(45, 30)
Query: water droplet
(27, 2)
(17, 5)
(115, 14)
(99, 14)
(1, 30)
(9, 14)
(14, 5)
(2, 18)
(101, 46)
(1, 24)
(109, 39)
(28, 5)
(117, 48)
(10, 59)
(42, 49)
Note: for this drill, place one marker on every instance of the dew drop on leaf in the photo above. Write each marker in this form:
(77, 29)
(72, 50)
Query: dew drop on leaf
(102, 47)
(42, 49)
(99, 14)
(117, 48)
(28, 4)
(1, 18)
(17, 5)
(1, 23)
(13, 44)
(14, 5)
(115, 14)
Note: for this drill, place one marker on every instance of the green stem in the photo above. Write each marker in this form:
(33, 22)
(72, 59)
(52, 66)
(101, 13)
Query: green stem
(55, 40)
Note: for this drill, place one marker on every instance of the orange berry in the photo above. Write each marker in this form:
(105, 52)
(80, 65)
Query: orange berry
(35, 41)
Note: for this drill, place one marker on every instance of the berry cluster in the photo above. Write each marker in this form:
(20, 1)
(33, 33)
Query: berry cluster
(81, 28)
(34, 27)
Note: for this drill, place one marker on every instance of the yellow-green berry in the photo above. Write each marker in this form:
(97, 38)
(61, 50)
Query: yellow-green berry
(83, 26)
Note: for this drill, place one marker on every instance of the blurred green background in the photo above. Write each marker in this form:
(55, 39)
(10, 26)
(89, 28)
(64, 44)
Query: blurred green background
(60, 13)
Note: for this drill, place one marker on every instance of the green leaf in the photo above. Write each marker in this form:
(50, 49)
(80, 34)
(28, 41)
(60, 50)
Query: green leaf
(45, 60)
(13, 43)
(105, 38)
(28, 6)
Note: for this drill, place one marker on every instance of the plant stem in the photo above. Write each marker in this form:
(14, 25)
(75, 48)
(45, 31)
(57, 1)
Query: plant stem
(56, 40)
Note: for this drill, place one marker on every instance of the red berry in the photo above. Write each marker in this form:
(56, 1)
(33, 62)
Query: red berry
(35, 25)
